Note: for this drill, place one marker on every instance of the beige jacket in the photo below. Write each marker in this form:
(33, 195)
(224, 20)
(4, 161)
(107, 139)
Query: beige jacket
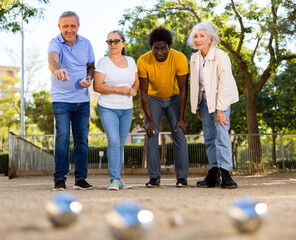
(220, 86)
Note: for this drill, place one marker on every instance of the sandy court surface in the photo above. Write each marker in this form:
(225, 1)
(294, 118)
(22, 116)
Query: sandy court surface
(204, 211)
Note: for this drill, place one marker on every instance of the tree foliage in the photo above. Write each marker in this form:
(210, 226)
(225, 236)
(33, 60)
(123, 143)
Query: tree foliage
(97, 120)
(140, 24)
(277, 101)
(137, 118)
(277, 104)
(255, 36)
(11, 12)
(33, 65)
(9, 104)
(40, 112)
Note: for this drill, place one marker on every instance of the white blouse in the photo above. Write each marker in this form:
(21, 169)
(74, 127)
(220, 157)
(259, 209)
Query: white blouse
(117, 77)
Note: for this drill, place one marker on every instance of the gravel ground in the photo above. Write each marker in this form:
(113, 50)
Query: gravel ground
(204, 211)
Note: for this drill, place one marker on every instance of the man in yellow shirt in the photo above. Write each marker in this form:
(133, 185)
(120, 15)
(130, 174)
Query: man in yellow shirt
(163, 74)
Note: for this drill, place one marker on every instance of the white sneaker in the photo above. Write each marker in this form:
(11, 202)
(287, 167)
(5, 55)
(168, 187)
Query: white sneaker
(122, 185)
(114, 185)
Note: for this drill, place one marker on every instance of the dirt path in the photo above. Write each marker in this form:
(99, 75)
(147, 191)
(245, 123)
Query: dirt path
(204, 211)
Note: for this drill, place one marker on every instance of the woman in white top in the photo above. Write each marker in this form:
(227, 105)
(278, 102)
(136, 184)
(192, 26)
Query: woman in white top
(116, 79)
(213, 89)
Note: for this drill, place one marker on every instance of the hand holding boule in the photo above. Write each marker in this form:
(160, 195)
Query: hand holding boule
(62, 75)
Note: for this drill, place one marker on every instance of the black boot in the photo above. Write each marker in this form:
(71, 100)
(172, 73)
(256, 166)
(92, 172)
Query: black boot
(227, 181)
(212, 180)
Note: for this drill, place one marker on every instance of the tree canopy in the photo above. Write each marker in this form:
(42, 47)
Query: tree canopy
(277, 101)
(11, 13)
(255, 35)
(40, 112)
(9, 103)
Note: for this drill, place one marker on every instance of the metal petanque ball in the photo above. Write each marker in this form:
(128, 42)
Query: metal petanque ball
(128, 220)
(247, 214)
(63, 209)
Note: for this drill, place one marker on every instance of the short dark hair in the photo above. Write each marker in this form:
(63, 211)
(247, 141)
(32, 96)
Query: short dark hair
(160, 34)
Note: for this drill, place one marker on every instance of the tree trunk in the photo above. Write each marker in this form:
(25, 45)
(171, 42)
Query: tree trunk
(144, 162)
(274, 136)
(253, 140)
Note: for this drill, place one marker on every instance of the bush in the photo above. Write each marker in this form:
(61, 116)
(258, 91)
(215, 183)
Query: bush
(133, 155)
(289, 163)
(196, 153)
(4, 164)
(93, 155)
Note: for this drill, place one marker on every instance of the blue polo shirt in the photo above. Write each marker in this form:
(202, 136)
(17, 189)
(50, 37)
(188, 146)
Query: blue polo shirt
(73, 59)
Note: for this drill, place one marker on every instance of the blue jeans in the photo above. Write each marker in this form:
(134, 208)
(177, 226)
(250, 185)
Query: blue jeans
(117, 123)
(77, 114)
(170, 107)
(216, 137)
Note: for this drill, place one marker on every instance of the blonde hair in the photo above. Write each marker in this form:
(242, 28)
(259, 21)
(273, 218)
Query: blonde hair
(210, 30)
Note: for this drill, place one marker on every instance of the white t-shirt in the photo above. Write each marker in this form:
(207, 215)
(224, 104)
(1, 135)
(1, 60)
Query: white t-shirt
(117, 77)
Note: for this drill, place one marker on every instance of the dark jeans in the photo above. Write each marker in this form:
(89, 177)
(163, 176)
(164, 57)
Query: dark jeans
(170, 107)
(77, 114)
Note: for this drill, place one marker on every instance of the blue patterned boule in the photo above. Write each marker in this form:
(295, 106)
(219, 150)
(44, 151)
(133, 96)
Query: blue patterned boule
(247, 214)
(63, 209)
(129, 221)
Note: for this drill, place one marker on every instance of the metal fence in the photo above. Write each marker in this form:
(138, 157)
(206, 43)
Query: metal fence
(26, 155)
(36, 152)
(277, 151)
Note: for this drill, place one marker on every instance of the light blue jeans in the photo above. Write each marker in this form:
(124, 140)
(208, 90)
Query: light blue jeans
(216, 137)
(117, 123)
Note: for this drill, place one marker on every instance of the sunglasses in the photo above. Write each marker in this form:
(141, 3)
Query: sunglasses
(115, 41)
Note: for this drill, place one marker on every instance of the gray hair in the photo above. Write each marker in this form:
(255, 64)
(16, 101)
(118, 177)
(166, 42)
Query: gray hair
(210, 30)
(123, 52)
(68, 14)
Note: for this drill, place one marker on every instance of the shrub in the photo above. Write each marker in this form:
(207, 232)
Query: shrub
(4, 164)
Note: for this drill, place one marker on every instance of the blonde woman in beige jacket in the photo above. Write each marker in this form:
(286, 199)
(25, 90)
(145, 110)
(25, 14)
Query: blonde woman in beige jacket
(213, 89)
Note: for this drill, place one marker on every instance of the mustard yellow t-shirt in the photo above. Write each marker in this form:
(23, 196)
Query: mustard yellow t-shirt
(162, 75)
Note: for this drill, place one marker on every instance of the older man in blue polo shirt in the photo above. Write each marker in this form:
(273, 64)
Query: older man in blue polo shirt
(71, 61)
